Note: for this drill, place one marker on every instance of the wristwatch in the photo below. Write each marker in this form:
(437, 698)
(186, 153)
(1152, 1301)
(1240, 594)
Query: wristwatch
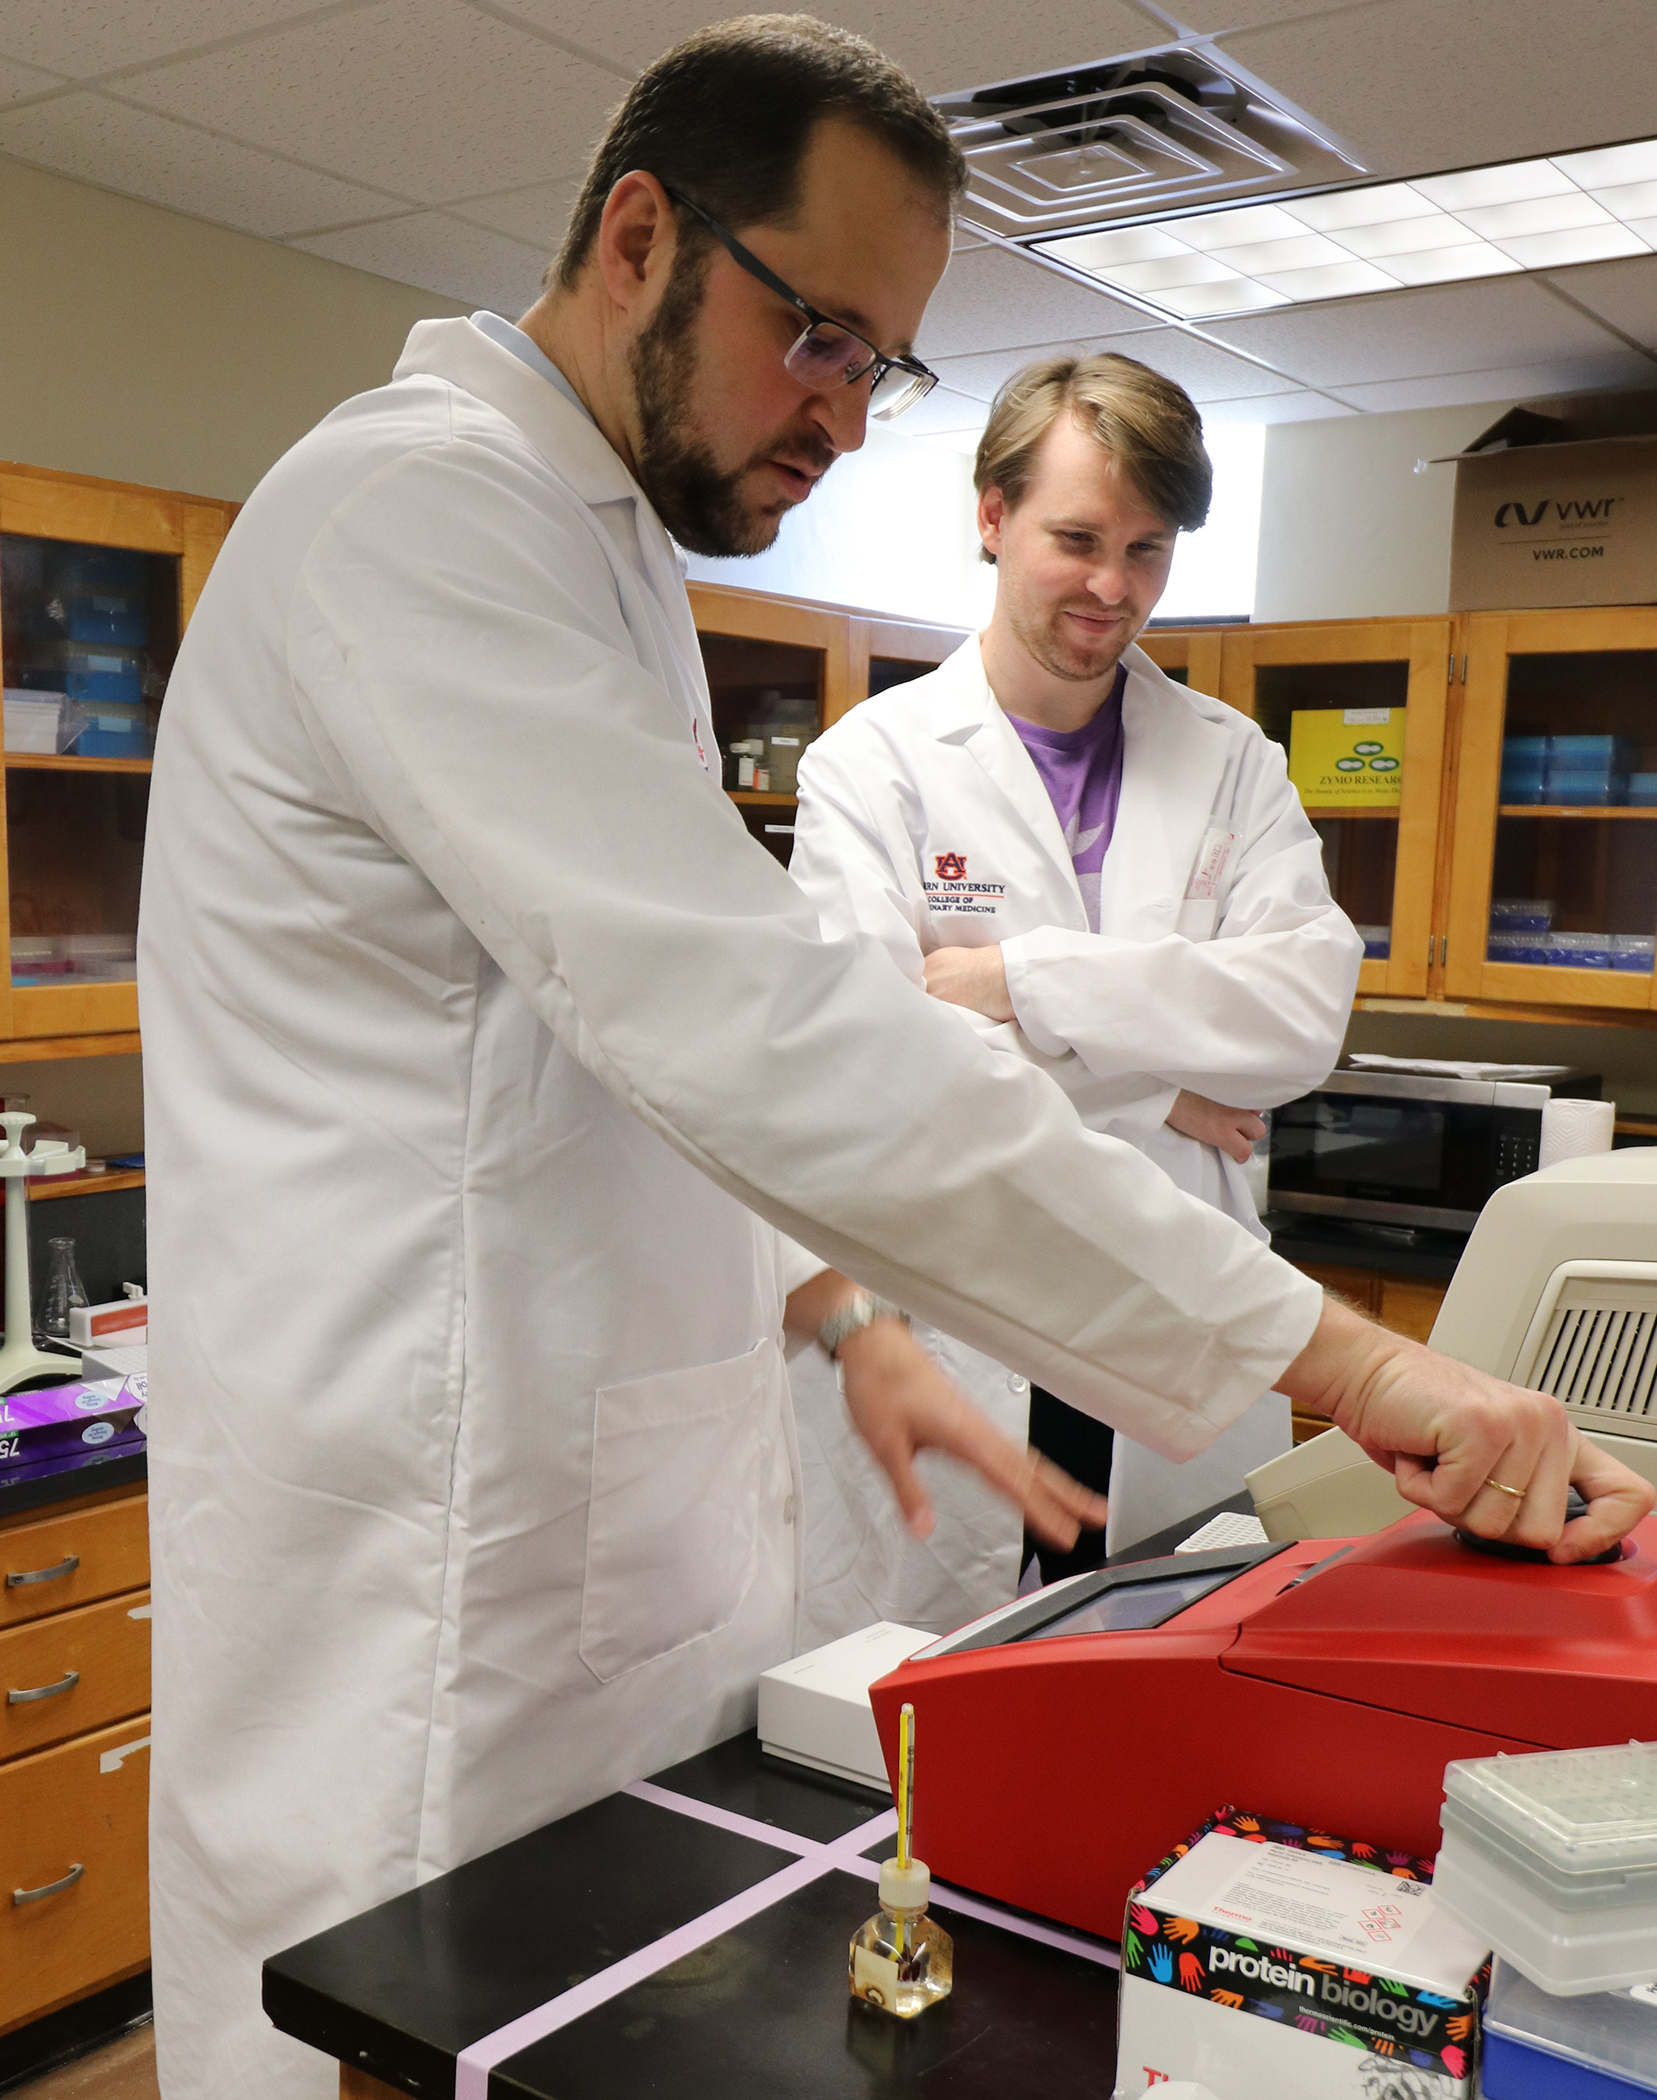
(860, 1310)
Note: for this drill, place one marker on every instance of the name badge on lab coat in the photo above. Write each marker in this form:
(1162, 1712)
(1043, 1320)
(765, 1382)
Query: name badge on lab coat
(1200, 909)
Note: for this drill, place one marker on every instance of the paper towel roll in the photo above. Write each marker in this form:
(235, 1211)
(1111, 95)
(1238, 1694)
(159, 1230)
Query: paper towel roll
(1573, 1129)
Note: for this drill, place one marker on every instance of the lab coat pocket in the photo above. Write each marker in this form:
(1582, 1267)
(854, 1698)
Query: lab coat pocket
(673, 1521)
(1196, 918)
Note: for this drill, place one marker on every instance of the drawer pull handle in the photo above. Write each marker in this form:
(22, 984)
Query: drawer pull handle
(66, 1683)
(64, 1567)
(52, 1888)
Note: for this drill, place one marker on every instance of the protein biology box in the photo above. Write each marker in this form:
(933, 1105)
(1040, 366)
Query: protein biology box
(1271, 1962)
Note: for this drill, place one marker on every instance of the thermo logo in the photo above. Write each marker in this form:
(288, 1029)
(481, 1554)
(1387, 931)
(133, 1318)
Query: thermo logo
(1583, 513)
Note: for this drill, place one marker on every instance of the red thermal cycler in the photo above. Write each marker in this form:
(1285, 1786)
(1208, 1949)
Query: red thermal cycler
(1069, 1740)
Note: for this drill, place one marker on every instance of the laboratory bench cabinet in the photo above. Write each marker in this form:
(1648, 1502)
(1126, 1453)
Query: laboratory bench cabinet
(97, 582)
(74, 1748)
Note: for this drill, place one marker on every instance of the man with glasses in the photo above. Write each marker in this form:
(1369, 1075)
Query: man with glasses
(486, 1054)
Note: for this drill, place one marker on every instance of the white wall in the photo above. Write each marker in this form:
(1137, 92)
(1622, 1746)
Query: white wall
(1348, 529)
(890, 529)
(141, 345)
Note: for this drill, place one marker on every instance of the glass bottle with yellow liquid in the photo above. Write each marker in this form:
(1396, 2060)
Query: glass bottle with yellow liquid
(901, 1960)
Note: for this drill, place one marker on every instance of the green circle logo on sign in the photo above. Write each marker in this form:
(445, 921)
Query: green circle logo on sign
(1368, 750)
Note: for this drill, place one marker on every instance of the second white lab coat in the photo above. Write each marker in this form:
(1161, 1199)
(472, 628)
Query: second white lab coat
(924, 822)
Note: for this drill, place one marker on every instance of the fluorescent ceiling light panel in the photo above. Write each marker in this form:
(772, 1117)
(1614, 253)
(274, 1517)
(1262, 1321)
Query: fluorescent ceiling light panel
(1611, 164)
(1553, 251)
(1483, 222)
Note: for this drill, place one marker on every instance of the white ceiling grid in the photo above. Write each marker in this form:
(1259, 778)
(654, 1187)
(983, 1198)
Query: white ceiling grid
(440, 142)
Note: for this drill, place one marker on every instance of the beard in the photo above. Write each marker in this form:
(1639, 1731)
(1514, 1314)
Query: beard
(701, 503)
(1041, 634)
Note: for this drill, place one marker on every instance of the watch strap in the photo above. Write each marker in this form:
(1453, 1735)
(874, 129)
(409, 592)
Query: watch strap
(860, 1310)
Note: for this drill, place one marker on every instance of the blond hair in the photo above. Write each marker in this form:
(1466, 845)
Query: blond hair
(1145, 421)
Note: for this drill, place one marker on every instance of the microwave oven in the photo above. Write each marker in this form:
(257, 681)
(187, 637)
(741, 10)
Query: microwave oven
(1412, 1148)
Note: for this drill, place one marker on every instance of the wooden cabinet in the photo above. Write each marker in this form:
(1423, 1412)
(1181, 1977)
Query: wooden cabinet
(1191, 656)
(1556, 811)
(1382, 862)
(780, 671)
(97, 583)
(1467, 852)
(74, 1752)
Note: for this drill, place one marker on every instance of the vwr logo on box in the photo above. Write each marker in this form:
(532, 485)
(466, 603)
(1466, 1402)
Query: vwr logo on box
(1583, 513)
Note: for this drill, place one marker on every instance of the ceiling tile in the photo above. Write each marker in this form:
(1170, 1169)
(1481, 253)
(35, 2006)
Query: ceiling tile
(438, 254)
(537, 214)
(1212, 17)
(981, 377)
(18, 81)
(425, 97)
(1624, 293)
(120, 148)
(1510, 383)
(946, 46)
(1412, 335)
(941, 410)
(1205, 373)
(991, 299)
(1273, 408)
(1417, 85)
(85, 37)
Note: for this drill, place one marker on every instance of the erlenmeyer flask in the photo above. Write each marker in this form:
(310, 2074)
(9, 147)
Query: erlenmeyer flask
(63, 1288)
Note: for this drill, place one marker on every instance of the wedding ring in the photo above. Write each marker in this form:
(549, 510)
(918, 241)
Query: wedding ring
(1518, 1494)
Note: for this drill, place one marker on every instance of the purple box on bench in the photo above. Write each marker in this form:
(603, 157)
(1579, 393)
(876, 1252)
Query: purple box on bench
(57, 1420)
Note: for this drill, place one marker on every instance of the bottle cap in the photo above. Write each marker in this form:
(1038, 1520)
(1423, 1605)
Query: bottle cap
(904, 1887)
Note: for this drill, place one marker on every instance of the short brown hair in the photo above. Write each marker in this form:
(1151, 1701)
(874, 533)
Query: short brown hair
(1146, 422)
(725, 119)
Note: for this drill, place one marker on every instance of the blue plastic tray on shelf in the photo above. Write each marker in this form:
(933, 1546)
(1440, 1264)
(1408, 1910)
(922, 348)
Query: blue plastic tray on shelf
(102, 616)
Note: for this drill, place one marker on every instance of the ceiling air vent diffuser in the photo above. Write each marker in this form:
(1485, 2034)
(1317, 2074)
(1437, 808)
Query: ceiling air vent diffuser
(1129, 139)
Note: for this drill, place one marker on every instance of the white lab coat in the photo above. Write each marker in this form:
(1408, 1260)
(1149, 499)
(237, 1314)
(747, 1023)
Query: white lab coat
(1242, 996)
(477, 1031)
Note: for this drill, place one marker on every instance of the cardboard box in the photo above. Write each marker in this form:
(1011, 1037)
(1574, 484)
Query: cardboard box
(1272, 1962)
(58, 1421)
(815, 1710)
(1556, 504)
(1347, 757)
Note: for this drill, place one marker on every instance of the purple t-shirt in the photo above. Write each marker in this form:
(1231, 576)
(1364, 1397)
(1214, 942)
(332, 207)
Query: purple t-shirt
(1081, 770)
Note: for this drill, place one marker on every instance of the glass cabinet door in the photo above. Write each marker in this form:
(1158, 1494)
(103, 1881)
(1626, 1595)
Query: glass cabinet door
(1554, 891)
(888, 653)
(96, 582)
(774, 670)
(1360, 712)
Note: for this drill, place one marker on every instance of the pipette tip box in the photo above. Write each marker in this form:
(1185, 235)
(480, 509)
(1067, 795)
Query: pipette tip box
(1552, 1856)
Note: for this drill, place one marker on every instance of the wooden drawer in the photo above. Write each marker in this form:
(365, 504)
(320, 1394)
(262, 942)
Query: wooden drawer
(108, 1541)
(84, 1804)
(103, 1648)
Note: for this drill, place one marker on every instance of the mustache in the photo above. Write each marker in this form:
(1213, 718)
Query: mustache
(809, 451)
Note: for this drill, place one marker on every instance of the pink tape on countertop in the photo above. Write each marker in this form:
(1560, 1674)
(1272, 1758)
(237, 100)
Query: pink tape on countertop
(845, 1854)
(478, 2059)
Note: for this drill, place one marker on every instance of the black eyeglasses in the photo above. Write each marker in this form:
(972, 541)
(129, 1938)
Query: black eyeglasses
(828, 354)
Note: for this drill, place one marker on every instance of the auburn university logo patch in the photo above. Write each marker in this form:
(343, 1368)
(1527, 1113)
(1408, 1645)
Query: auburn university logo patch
(951, 867)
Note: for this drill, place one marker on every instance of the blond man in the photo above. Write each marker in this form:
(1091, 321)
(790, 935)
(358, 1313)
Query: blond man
(1103, 871)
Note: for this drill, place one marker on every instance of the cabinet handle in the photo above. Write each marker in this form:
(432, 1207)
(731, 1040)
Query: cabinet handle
(64, 1567)
(65, 1683)
(52, 1888)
